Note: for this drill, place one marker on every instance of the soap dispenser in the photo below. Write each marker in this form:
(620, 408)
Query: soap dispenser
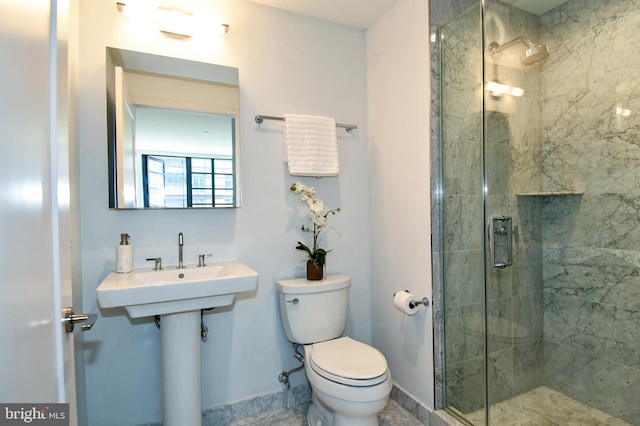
(124, 255)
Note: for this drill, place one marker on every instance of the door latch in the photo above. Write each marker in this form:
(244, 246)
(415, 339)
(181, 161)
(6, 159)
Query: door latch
(70, 319)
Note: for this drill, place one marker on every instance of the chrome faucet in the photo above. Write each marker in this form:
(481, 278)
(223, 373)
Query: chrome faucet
(180, 244)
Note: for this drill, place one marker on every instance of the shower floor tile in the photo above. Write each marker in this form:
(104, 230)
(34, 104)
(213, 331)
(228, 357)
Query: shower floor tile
(544, 406)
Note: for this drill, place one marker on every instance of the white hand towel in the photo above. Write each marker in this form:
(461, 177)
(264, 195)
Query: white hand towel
(310, 145)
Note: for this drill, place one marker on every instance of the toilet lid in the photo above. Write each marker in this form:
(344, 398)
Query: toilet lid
(349, 362)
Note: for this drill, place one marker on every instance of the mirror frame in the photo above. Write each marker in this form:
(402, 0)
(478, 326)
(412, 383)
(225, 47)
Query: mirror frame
(168, 67)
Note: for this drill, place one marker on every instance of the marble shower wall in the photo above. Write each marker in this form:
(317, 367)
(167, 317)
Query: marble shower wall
(591, 143)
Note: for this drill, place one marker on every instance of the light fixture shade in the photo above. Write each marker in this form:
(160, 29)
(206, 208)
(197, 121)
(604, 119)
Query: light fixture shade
(175, 21)
(168, 19)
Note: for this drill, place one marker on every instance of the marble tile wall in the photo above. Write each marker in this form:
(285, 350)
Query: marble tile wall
(591, 143)
(570, 305)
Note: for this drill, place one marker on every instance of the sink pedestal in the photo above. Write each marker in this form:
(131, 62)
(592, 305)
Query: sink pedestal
(181, 365)
(178, 295)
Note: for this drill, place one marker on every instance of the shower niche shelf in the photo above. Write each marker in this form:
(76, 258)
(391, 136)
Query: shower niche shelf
(549, 193)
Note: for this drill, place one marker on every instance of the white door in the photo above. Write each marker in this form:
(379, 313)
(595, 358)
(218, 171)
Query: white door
(36, 355)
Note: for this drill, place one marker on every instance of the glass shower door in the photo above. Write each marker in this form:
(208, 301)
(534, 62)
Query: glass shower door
(536, 201)
(491, 247)
(512, 157)
(461, 201)
(561, 159)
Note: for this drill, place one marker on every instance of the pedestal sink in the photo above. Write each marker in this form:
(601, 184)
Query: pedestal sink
(178, 295)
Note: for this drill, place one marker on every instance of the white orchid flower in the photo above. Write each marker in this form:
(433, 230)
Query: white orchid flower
(299, 187)
(318, 216)
(315, 205)
(318, 219)
(296, 188)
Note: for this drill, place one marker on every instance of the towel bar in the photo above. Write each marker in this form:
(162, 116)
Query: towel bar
(260, 118)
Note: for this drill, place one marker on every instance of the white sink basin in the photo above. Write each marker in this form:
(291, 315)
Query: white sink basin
(172, 275)
(145, 292)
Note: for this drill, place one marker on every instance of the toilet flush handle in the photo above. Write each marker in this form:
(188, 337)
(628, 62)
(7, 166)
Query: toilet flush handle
(294, 301)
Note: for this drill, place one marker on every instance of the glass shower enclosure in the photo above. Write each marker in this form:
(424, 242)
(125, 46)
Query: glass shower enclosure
(536, 210)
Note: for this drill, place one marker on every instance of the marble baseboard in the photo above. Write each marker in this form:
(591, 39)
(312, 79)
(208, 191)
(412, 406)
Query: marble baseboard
(230, 413)
(251, 407)
(237, 413)
(424, 414)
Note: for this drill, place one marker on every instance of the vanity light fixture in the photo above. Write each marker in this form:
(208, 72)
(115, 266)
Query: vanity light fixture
(169, 20)
(175, 21)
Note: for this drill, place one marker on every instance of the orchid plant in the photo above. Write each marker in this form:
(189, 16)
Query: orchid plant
(318, 216)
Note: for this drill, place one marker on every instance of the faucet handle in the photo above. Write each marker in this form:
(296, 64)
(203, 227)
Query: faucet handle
(158, 263)
(201, 259)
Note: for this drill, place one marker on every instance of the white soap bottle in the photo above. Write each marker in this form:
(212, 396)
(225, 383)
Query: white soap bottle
(124, 255)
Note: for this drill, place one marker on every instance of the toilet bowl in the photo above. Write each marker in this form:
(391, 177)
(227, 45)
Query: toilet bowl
(350, 380)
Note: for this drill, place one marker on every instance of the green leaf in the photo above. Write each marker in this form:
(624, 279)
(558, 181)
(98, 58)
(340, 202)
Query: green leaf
(302, 247)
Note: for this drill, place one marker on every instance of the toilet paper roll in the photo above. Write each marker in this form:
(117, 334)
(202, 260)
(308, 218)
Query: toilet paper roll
(405, 302)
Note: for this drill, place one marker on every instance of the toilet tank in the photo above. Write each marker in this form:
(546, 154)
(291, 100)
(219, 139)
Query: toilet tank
(314, 311)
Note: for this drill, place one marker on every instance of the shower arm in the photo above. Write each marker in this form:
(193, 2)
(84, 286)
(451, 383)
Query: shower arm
(495, 48)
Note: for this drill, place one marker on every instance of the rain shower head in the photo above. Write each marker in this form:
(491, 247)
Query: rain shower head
(535, 53)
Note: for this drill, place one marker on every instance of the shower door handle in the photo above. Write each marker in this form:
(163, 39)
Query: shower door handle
(500, 241)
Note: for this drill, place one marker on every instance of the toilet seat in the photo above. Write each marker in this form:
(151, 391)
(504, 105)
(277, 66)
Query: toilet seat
(348, 362)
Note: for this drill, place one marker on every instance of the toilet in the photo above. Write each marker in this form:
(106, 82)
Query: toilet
(350, 381)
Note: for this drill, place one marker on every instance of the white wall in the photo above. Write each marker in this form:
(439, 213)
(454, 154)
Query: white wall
(398, 115)
(287, 63)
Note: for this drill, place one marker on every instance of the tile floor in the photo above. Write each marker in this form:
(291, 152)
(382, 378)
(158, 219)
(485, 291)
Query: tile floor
(392, 415)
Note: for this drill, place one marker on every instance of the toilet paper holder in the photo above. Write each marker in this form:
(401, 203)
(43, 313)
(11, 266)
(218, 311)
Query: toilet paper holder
(414, 303)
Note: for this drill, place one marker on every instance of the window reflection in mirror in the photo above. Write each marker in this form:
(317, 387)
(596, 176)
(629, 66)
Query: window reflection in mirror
(173, 127)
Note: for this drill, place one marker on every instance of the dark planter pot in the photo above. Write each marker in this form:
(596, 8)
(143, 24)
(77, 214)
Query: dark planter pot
(315, 271)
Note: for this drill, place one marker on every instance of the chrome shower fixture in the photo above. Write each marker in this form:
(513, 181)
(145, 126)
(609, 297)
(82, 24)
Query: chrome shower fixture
(534, 54)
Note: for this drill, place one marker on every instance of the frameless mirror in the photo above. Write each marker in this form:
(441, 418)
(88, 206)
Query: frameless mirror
(172, 132)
